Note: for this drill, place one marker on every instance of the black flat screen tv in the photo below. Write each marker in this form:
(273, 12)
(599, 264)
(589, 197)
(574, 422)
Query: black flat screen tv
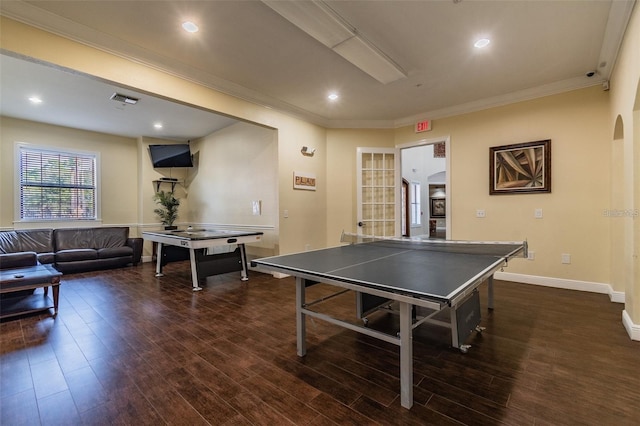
(174, 155)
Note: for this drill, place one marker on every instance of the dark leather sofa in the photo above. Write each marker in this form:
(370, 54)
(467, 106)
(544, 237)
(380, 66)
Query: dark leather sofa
(70, 249)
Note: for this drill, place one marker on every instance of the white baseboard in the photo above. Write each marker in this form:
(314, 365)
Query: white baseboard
(632, 329)
(614, 296)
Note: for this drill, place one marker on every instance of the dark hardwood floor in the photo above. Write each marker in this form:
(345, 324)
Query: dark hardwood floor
(128, 348)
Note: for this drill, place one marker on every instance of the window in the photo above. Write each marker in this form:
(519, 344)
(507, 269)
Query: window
(57, 185)
(416, 210)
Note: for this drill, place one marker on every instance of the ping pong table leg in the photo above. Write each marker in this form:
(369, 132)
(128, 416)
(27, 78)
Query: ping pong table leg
(406, 355)
(301, 326)
(490, 292)
(194, 270)
(159, 260)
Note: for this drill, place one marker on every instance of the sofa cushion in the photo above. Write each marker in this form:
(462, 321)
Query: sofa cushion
(18, 260)
(90, 238)
(76, 255)
(106, 253)
(36, 240)
(46, 258)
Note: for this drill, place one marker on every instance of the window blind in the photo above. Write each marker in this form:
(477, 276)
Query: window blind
(57, 185)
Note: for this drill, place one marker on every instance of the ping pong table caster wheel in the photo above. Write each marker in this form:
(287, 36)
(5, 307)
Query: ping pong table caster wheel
(464, 348)
(365, 321)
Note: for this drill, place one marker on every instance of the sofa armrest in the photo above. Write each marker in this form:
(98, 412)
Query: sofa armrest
(136, 245)
(18, 260)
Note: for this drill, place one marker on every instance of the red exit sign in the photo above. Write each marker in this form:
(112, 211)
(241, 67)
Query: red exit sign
(423, 126)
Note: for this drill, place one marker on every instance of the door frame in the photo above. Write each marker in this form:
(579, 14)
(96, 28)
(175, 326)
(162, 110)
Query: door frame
(447, 144)
(404, 217)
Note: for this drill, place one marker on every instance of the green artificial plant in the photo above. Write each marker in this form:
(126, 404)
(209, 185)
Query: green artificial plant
(168, 210)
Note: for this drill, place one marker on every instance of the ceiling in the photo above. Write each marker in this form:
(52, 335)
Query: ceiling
(255, 51)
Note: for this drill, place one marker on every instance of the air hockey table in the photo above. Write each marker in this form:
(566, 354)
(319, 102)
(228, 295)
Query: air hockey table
(211, 251)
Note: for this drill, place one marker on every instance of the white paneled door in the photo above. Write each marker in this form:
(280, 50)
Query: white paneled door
(379, 197)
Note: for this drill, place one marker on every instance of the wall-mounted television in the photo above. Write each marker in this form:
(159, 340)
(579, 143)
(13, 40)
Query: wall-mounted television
(174, 155)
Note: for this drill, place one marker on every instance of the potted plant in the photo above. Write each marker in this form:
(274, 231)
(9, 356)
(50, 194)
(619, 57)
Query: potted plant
(168, 210)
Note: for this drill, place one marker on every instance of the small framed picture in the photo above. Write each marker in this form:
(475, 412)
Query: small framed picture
(306, 181)
(520, 168)
(438, 207)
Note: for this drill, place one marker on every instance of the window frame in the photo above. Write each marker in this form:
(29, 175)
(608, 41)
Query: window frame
(19, 147)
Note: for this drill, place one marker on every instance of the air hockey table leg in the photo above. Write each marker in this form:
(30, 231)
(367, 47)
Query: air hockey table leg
(243, 259)
(194, 270)
(159, 260)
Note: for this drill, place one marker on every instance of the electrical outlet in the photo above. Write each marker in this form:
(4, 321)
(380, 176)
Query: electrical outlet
(538, 214)
(531, 255)
(480, 213)
(566, 258)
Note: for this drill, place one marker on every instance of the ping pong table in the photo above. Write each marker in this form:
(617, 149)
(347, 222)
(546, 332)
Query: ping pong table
(210, 251)
(431, 274)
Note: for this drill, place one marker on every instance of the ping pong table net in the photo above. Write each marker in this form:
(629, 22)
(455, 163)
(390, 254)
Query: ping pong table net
(489, 248)
(350, 238)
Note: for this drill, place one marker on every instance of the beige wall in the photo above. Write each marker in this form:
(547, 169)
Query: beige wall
(573, 222)
(625, 113)
(341, 177)
(118, 169)
(305, 228)
(234, 167)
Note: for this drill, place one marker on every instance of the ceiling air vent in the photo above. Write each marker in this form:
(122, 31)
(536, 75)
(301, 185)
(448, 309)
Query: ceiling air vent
(124, 99)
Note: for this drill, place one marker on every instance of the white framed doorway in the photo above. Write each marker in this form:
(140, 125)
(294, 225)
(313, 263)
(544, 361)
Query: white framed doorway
(424, 226)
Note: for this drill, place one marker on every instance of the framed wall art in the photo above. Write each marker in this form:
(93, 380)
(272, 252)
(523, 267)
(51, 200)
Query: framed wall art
(438, 207)
(306, 181)
(520, 168)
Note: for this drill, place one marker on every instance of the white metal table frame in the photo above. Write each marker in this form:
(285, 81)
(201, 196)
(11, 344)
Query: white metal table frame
(406, 302)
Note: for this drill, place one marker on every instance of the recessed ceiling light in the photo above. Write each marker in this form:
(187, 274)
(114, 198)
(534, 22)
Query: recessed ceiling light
(35, 100)
(483, 42)
(190, 27)
(157, 125)
(333, 97)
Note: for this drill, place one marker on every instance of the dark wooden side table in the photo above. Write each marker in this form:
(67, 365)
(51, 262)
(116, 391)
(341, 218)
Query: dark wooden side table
(29, 278)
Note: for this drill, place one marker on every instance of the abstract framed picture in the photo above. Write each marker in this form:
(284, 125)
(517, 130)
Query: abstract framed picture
(520, 168)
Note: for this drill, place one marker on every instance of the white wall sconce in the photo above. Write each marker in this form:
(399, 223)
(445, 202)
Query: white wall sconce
(307, 152)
